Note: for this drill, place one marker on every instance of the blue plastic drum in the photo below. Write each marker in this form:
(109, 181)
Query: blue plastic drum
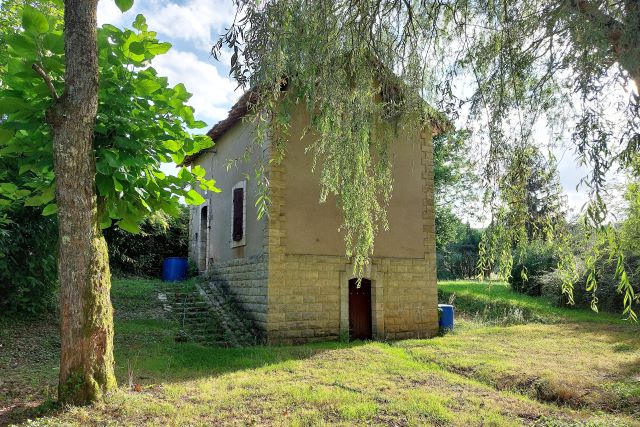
(446, 317)
(174, 269)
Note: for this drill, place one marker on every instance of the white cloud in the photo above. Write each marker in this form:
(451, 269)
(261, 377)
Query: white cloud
(197, 21)
(225, 57)
(108, 13)
(213, 94)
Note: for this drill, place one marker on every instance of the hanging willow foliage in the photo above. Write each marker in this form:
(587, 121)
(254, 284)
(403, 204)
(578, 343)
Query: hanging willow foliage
(510, 68)
(356, 108)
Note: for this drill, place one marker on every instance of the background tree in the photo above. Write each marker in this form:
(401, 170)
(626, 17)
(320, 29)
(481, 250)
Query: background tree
(130, 254)
(514, 67)
(455, 195)
(27, 239)
(90, 155)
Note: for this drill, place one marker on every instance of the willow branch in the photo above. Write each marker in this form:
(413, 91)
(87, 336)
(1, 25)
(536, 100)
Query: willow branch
(42, 73)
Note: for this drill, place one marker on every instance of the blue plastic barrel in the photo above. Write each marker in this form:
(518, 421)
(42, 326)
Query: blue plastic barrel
(174, 268)
(446, 318)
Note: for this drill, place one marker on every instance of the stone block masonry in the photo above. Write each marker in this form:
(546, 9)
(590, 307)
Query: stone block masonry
(308, 302)
(246, 280)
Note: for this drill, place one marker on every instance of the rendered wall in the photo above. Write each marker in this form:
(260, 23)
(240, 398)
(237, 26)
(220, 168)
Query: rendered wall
(231, 146)
(312, 228)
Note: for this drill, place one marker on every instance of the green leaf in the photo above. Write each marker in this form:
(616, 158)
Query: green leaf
(172, 145)
(117, 185)
(33, 201)
(137, 48)
(103, 167)
(54, 42)
(104, 184)
(124, 5)
(193, 198)
(111, 157)
(181, 92)
(111, 29)
(50, 209)
(146, 86)
(210, 185)
(128, 225)
(105, 223)
(7, 188)
(140, 23)
(22, 45)
(198, 171)
(33, 20)
(11, 105)
(5, 136)
(184, 174)
(159, 48)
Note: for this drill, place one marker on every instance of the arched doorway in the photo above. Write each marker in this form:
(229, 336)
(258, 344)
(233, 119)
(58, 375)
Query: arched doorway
(360, 325)
(204, 234)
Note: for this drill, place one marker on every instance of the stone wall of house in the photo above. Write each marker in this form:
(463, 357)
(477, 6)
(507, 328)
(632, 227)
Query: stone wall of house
(308, 294)
(246, 280)
(304, 299)
(300, 297)
(410, 298)
(308, 299)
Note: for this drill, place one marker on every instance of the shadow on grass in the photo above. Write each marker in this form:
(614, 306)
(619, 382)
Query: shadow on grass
(146, 353)
(156, 357)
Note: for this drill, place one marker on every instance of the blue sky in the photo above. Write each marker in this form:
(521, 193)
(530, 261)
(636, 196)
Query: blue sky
(192, 26)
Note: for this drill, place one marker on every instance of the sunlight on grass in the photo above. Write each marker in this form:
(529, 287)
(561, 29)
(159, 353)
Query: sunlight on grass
(473, 297)
(565, 372)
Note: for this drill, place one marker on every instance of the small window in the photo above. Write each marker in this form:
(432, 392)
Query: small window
(238, 202)
(238, 214)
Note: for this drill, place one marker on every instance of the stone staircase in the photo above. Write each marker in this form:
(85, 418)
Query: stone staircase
(209, 318)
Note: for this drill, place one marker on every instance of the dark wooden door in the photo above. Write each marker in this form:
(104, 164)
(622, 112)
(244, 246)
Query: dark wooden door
(360, 310)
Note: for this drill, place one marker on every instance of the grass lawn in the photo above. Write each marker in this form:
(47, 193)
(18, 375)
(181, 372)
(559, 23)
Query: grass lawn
(501, 305)
(548, 366)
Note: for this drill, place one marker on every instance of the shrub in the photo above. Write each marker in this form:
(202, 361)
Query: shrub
(459, 258)
(482, 308)
(534, 260)
(142, 254)
(192, 269)
(608, 297)
(28, 273)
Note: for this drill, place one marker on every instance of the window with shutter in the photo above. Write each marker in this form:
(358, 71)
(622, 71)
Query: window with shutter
(238, 209)
(238, 213)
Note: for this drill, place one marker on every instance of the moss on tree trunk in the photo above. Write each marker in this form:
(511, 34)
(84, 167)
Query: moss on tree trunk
(86, 363)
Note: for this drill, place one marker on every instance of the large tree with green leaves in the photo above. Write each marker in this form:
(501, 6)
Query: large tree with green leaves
(88, 122)
(511, 67)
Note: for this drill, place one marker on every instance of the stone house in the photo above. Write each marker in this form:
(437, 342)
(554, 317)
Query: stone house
(288, 271)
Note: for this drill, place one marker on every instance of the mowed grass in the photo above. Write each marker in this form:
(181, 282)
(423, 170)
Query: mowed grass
(565, 372)
(496, 298)
(568, 356)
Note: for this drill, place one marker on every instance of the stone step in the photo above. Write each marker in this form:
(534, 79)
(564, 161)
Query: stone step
(209, 318)
(236, 329)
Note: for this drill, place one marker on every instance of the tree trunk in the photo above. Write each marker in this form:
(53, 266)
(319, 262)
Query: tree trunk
(86, 362)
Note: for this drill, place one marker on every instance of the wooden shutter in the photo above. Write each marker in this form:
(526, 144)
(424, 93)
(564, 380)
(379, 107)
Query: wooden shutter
(238, 204)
